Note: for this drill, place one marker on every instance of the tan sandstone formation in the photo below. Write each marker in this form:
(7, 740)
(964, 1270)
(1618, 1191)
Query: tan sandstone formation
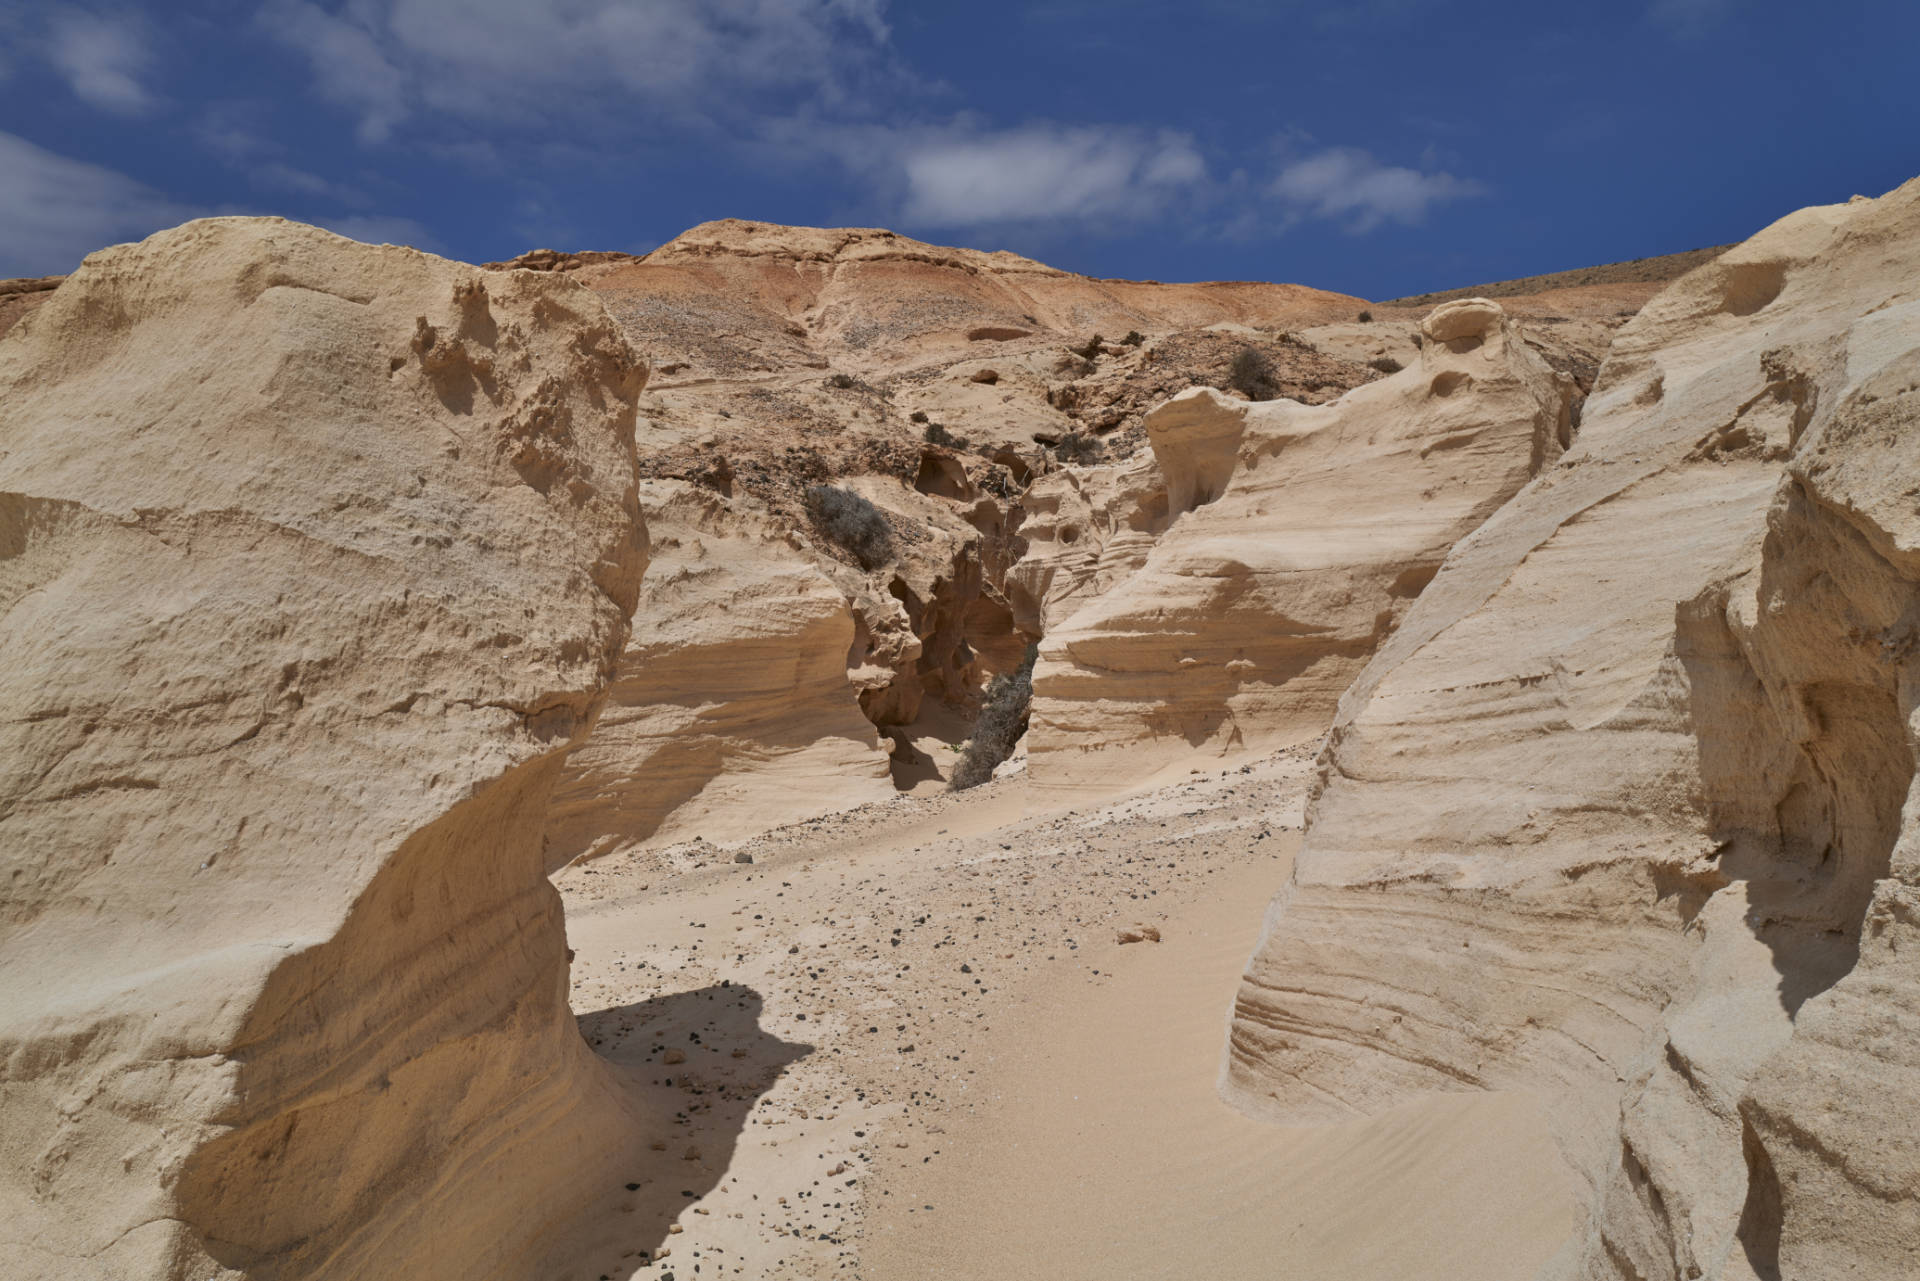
(940, 383)
(1294, 538)
(733, 709)
(315, 558)
(1622, 812)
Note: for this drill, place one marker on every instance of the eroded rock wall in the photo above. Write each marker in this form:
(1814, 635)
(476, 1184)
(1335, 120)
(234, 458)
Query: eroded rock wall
(732, 710)
(1294, 538)
(1622, 811)
(315, 558)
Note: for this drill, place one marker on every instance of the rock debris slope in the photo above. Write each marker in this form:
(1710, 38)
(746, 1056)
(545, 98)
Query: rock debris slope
(1294, 538)
(314, 559)
(1622, 812)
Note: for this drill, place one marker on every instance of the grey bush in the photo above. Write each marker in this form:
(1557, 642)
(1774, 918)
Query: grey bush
(937, 434)
(853, 522)
(1251, 374)
(1074, 447)
(1002, 720)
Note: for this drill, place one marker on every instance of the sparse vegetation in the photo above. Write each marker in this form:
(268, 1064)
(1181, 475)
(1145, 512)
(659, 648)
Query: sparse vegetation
(1077, 447)
(842, 382)
(1252, 375)
(1002, 720)
(1091, 351)
(1385, 364)
(937, 434)
(1134, 338)
(851, 521)
(999, 482)
(1366, 318)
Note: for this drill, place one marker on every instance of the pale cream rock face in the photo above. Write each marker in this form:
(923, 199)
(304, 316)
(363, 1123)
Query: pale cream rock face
(1622, 814)
(732, 710)
(315, 558)
(1290, 539)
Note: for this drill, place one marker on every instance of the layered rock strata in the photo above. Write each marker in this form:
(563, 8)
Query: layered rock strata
(1290, 539)
(733, 709)
(314, 560)
(1623, 810)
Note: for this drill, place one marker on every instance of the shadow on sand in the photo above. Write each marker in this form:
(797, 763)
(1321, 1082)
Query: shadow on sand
(696, 1107)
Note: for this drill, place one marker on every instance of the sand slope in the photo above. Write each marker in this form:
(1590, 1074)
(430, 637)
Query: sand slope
(933, 1011)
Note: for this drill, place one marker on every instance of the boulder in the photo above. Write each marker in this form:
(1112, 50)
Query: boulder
(315, 558)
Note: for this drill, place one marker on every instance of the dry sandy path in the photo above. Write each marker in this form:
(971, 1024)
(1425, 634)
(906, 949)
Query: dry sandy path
(923, 1004)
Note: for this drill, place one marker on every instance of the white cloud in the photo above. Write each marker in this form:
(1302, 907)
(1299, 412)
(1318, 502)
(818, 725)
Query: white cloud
(102, 59)
(1045, 173)
(1348, 183)
(530, 60)
(348, 64)
(55, 210)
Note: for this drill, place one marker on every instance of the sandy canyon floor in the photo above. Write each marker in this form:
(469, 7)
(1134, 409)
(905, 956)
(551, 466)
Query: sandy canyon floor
(906, 1042)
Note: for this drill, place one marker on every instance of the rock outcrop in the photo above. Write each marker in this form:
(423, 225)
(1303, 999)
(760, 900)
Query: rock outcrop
(1294, 538)
(940, 383)
(315, 558)
(733, 709)
(1623, 813)
(19, 298)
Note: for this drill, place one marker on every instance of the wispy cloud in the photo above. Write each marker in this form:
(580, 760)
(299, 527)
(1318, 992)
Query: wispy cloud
(349, 67)
(805, 81)
(1043, 172)
(55, 210)
(1348, 184)
(102, 56)
(530, 60)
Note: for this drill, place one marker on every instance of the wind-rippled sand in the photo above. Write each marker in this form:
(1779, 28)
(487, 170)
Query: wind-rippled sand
(904, 1042)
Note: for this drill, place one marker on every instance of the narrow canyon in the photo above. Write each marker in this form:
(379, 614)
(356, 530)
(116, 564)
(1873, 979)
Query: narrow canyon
(806, 753)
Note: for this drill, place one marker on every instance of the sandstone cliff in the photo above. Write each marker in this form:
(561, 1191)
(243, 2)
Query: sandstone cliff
(1294, 538)
(937, 383)
(314, 560)
(733, 709)
(1622, 811)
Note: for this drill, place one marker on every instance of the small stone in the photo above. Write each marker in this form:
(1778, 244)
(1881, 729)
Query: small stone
(674, 1056)
(743, 857)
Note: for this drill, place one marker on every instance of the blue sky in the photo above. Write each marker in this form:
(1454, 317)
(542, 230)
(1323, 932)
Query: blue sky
(1379, 147)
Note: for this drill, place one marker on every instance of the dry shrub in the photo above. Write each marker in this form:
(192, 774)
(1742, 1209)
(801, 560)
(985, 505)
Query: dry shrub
(1002, 720)
(1251, 374)
(853, 522)
(1075, 447)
